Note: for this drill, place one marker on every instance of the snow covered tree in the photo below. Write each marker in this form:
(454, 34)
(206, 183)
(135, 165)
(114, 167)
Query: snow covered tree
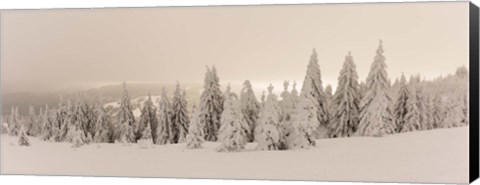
(250, 108)
(234, 128)
(267, 133)
(194, 137)
(31, 122)
(453, 117)
(287, 110)
(376, 117)
(211, 105)
(78, 137)
(180, 114)
(60, 128)
(262, 99)
(400, 108)
(413, 115)
(47, 125)
(312, 86)
(146, 141)
(345, 115)
(421, 103)
(125, 119)
(287, 103)
(23, 139)
(304, 123)
(148, 117)
(103, 126)
(439, 111)
(164, 129)
(14, 122)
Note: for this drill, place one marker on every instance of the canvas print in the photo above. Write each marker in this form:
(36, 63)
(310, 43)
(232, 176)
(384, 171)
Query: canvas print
(325, 92)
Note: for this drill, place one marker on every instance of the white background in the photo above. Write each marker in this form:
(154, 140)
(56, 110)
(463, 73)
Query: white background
(35, 4)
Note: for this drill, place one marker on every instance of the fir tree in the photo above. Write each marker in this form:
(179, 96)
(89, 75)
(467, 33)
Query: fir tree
(31, 122)
(250, 108)
(148, 117)
(345, 116)
(78, 137)
(412, 117)
(23, 139)
(47, 125)
(180, 114)
(312, 86)
(453, 114)
(146, 141)
(60, 125)
(103, 126)
(14, 125)
(421, 104)
(233, 129)
(304, 124)
(376, 117)
(194, 137)
(400, 107)
(438, 112)
(267, 133)
(125, 119)
(164, 130)
(211, 105)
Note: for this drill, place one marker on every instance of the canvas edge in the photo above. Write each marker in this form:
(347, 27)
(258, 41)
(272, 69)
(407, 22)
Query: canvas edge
(474, 91)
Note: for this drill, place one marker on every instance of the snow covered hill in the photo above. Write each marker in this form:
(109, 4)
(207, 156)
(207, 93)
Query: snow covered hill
(436, 156)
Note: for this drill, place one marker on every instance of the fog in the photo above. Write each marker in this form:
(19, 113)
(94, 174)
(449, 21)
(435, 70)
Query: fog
(51, 50)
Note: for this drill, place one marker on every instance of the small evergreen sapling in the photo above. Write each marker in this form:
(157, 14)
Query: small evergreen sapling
(304, 124)
(233, 129)
(23, 139)
(267, 133)
(194, 137)
(146, 141)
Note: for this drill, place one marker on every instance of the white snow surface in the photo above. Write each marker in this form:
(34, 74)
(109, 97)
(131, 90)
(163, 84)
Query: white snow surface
(436, 156)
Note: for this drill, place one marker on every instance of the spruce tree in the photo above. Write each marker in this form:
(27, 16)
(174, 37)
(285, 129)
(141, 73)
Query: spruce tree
(413, 115)
(78, 137)
(233, 130)
(47, 125)
(180, 114)
(400, 107)
(304, 124)
(250, 108)
(31, 122)
(23, 139)
(376, 117)
(125, 119)
(312, 86)
(164, 130)
(345, 115)
(211, 105)
(146, 141)
(439, 111)
(421, 103)
(103, 126)
(267, 132)
(148, 117)
(453, 114)
(14, 122)
(194, 138)
(60, 126)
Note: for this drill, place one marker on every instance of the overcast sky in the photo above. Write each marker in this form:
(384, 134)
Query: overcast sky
(50, 50)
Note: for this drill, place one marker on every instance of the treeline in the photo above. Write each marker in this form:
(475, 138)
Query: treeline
(375, 107)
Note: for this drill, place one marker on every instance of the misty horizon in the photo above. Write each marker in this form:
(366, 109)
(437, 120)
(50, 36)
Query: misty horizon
(84, 49)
